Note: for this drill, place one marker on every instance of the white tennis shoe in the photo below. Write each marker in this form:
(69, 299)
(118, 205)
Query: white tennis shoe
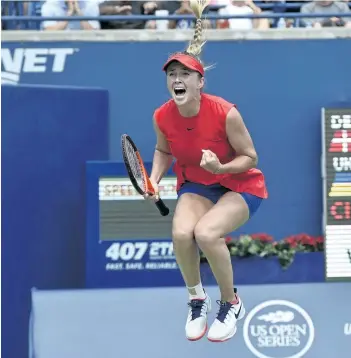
(224, 326)
(196, 323)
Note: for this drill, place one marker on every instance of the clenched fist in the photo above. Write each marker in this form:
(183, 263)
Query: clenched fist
(210, 161)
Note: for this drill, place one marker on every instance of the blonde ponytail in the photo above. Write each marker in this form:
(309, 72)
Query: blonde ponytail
(195, 46)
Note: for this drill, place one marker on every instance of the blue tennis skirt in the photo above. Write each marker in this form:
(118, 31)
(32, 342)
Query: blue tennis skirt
(215, 191)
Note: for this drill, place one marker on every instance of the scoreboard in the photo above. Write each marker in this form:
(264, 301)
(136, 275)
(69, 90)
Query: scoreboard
(124, 214)
(336, 173)
(128, 242)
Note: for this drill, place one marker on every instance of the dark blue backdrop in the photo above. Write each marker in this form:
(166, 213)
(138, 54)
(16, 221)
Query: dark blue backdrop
(47, 136)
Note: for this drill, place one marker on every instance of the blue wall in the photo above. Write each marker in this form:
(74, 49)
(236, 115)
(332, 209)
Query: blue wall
(48, 134)
(280, 95)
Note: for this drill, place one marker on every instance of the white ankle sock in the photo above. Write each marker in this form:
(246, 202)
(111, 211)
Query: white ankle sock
(196, 292)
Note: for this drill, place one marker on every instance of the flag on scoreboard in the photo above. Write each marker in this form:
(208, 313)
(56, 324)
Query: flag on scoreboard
(341, 142)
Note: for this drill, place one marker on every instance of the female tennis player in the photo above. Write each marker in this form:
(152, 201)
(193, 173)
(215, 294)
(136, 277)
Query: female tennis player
(218, 185)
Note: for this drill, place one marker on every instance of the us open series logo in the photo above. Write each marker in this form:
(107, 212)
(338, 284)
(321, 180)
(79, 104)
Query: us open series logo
(278, 329)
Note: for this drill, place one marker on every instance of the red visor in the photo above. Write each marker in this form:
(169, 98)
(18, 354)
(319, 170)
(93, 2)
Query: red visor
(187, 61)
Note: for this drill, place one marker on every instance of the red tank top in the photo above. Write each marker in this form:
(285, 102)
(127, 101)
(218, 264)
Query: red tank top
(207, 130)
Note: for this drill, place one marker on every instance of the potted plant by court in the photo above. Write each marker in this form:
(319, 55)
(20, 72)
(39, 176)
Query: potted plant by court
(258, 258)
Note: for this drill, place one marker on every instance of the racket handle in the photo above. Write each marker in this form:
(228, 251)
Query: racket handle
(162, 207)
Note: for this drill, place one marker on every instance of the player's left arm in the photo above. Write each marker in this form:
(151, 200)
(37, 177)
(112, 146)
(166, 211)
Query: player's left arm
(240, 139)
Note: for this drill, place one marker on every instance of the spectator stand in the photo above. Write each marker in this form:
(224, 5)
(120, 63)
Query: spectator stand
(26, 15)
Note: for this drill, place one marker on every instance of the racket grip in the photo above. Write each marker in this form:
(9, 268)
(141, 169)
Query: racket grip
(162, 207)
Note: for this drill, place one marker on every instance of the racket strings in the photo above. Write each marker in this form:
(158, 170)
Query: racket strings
(134, 164)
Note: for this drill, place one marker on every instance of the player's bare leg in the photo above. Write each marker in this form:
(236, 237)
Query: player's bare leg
(228, 214)
(190, 208)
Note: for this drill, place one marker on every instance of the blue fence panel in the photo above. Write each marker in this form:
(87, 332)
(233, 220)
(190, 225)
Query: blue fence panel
(48, 134)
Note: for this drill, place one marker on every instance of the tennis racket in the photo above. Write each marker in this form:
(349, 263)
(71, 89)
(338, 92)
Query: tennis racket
(137, 172)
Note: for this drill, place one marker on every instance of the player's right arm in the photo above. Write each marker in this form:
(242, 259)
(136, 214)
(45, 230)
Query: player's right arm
(162, 157)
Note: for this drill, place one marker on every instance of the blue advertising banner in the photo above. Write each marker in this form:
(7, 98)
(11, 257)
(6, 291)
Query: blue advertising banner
(136, 263)
(281, 321)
